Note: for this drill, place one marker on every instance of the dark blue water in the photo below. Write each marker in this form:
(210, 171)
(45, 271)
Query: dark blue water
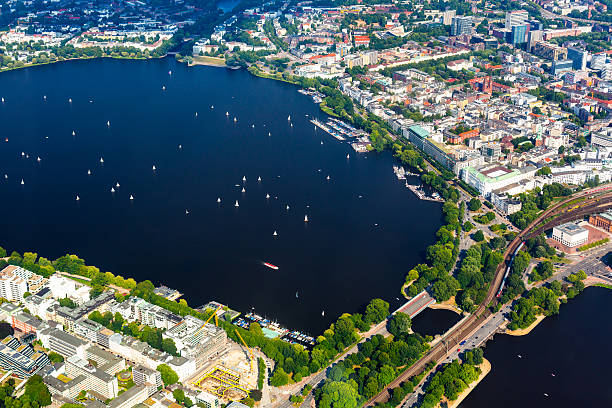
(434, 321)
(336, 262)
(574, 346)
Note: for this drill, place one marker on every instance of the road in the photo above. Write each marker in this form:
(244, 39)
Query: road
(593, 199)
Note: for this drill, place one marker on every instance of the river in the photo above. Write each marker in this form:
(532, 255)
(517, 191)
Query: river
(565, 357)
(365, 229)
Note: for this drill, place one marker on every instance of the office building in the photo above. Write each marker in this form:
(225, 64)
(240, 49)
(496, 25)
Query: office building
(518, 35)
(447, 17)
(515, 18)
(578, 57)
(20, 359)
(561, 66)
(603, 220)
(62, 343)
(91, 378)
(571, 235)
(461, 25)
(533, 37)
(598, 61)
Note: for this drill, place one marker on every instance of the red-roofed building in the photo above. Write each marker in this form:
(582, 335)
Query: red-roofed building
(362, 40)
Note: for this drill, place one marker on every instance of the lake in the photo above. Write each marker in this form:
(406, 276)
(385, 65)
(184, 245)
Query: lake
(365, 229)
(565, 357)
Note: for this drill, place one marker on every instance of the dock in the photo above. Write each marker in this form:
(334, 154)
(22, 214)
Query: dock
(418, 191)
(327, 129)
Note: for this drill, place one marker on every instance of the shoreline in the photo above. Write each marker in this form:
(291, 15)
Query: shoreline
(526, 330)
(208, 61)
(447, 305)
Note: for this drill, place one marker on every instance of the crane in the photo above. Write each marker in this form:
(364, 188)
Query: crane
(251, 357)
(215, 315)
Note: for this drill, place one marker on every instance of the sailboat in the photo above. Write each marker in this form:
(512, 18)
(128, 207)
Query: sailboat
(6, 176)
(219, 200)
(236, 205)
(154, 168)
(323, 313)
(267, 196)
(348, 156)
(38, 159)
(306, 218)
(112, 189)
(289, 117)
(22, 154)
(131, 197)
(186, 212)
(89, 172)
(2, 99)
(274, 234)
(108, 123)
(77, 198)
(163, 88)
(101, 160)
(287, 207)
(328, 177)
(117, 185)
(180, 147)
(69, 100)
(235, 120)
(243, 190)
(169, 72)
(22, 183)
(296, 295)
(259, 178)
(73, 133)
(212, 106)
(253, 126)
(196, 114)
(243, 179)
(226, 113)
(269, 134)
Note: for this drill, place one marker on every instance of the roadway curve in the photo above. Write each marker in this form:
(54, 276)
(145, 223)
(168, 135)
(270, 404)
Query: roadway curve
(602, 196)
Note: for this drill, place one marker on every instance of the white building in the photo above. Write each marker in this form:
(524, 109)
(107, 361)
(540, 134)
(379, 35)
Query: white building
(571, 235)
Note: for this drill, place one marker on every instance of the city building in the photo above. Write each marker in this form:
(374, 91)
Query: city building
(495, 176)
(571, 235)
(518, 34)
(20, 359)
(90, 378)
(603, 220)
(62, 343)
(578, 57)
(461, 25)
(560, 66)
(516, 18)
(132, 397)
(143, 375)
(26, 323)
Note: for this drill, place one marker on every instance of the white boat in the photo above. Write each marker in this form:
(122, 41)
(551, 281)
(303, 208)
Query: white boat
(108, 123)
(101, 160)
(259, 178)
(117, 185)
(154, 168)
(22, 183)
(89, 172)
(267, 196)
(180, 146)
(291, 124)
(186, 212)
(287, 208)
(212, 106)
(219, 200)
(77, 198)
(328, 177)
(243, 178)
(69, 100)
(3, 100)
(243, 190)
(321, 142)
(226, 113)
(131, 197)
(253, 126)
(22, 154)
(235, 120)
(348, 156)
(73, 133)
(169, 72)
(236, 205)
(269, 134)
(274, 234)
(306, 218)
(196, 114)
(289, 117)
(163, 88)
(6, 176)
(323, 313)
(45, 97)
(38, 159)
(112, 189)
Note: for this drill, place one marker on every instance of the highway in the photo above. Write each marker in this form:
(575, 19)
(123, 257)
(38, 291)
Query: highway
(597, 198)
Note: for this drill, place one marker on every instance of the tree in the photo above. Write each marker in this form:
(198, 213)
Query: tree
(67, 302)
(55, 357)
(399, 323)
(478, 236)
(279, 378)
(467, 226)
(168, 375)
(336, 394)
(169, 347)
(179, 395)
(474, 204)
(376, 311)
(37, 391)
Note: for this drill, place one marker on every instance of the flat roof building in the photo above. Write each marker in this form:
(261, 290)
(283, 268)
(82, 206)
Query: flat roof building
(571, 235)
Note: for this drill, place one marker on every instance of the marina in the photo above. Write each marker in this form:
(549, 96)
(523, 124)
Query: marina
(420, 193)
(274, 330)
(327, 129)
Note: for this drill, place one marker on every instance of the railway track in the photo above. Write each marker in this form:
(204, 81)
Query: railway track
(603, 197)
